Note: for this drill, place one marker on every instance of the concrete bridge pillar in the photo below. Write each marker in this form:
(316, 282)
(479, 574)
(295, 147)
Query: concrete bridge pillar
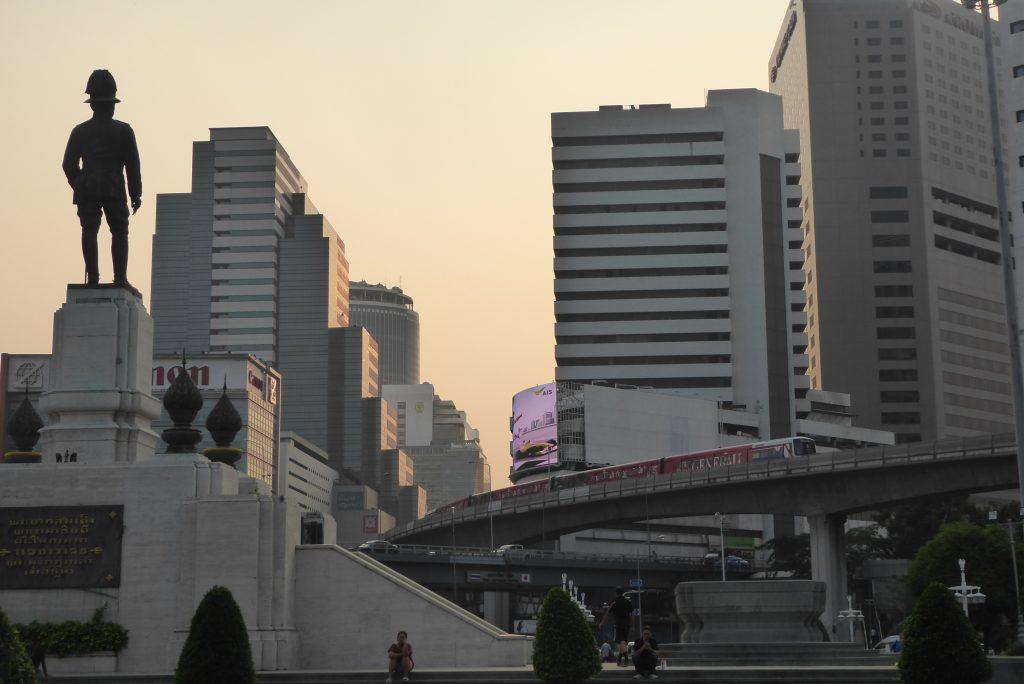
(828, 565)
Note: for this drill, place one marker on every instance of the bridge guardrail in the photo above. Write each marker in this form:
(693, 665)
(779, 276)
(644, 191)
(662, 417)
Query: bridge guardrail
(903, 454)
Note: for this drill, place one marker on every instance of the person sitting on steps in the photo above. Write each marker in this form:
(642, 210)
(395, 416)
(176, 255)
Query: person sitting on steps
(645, 656)
(400, 658)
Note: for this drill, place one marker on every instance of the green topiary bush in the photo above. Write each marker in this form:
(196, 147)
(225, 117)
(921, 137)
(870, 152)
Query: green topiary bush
(15, 665)
(217, 649)
(940, 644)
(564, 651)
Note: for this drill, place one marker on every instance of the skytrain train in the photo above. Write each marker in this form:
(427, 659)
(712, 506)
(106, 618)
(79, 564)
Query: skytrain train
(699, 461)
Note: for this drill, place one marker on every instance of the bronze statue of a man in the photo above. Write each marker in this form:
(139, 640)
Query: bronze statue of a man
(105, 147)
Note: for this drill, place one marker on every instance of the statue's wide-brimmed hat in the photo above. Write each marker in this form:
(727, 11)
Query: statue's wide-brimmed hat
(101, 87)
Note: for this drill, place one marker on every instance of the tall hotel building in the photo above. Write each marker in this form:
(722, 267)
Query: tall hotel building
(677, 253)
(245, 264)
(388, 314)
(904, 295)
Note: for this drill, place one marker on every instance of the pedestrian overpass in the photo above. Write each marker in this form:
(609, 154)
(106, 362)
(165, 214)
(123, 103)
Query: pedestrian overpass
(825, 487)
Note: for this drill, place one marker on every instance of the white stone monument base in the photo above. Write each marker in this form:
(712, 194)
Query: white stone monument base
(98, 399)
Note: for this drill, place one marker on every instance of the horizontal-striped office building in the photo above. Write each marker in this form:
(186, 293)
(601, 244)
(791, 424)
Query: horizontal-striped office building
(678, 262)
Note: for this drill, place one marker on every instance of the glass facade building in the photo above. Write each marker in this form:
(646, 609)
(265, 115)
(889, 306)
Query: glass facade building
(388, 314)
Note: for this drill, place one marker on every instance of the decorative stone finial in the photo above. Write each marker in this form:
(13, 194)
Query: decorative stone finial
(23, 427)
(223, 424)
(182, 401)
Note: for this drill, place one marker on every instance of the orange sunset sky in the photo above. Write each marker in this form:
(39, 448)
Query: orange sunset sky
(422, 128)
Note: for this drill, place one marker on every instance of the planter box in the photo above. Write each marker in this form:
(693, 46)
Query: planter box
(87, 663)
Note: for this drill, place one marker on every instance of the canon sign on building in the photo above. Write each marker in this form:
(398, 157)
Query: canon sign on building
(255, 389)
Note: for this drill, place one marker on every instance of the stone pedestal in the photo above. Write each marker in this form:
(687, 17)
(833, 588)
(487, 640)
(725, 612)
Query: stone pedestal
(754, 611)
(97, 400)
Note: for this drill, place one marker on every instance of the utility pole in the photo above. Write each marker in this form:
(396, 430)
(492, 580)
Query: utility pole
(721, 539)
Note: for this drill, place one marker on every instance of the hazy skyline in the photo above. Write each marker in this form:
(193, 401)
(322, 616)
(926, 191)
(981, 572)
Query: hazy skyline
(422, 130)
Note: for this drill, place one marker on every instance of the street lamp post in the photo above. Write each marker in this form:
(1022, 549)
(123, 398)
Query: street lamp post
(1005, 240)
(851, 615)
(1012, 528)
(967, 593)
(721, 539)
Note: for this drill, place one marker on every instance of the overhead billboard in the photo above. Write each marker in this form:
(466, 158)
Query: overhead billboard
(534, 427)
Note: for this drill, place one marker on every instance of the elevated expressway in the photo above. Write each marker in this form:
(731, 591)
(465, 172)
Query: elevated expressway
(825, 488)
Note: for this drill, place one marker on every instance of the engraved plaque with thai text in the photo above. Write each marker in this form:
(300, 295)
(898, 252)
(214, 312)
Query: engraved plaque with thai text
(60, 547)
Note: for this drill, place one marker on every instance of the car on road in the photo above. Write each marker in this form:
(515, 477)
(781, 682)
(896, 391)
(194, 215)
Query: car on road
(731, 562)
(378, 546)
(890, 644)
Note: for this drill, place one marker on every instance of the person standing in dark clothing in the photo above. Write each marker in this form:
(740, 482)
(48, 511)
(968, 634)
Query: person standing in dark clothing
(621, 612)
(645, 656)
(100, 152)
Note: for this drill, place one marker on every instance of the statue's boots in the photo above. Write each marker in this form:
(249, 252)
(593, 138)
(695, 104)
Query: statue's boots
(119, 254)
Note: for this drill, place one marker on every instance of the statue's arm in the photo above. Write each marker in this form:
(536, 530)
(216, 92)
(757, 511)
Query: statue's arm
(70, 165)
(133, 167)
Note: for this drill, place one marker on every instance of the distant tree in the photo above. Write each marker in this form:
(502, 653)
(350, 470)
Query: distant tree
(217, 648)
(986, 551)
(790, 554)
(564, 650)
(793, 554)
(863, 544)
(939, 644)
(910, 526)
(15, 665)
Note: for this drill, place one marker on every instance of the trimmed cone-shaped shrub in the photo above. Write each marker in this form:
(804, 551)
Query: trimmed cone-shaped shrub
(564, 651)
(940, 644)
(217, 649)
(15, 665)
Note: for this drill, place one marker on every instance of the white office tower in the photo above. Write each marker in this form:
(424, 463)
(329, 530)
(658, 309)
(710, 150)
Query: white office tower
(678, 262)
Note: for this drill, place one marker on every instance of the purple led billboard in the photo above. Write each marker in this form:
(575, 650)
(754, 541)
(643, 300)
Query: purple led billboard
(534, 427)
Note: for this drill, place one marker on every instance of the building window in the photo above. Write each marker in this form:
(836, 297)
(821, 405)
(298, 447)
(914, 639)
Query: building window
(1018, 71)
(898, 375)
(895, 333)
(1020, 115)
(1017, 26)
(877, 153)
(875, 24)
(902, 266)
(890, 216)
(901, 418)
(896, 23)
(903, 152)
(890, 240)
(888, 192)
(899, 396)
(894, 312)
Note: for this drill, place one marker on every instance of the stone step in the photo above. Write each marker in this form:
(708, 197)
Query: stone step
(712, 675)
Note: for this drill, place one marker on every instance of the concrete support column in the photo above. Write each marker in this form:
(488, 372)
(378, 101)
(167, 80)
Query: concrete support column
(828, 565)
(496, 609)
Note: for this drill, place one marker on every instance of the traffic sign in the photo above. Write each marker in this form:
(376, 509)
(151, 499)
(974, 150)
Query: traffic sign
(636, 583)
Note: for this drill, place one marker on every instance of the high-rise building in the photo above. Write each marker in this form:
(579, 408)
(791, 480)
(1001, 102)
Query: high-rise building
(388, 314)
(245, 264)
(449, 462)
(905, 301)
(677, 253)
(1009, 31)
(352, 379)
